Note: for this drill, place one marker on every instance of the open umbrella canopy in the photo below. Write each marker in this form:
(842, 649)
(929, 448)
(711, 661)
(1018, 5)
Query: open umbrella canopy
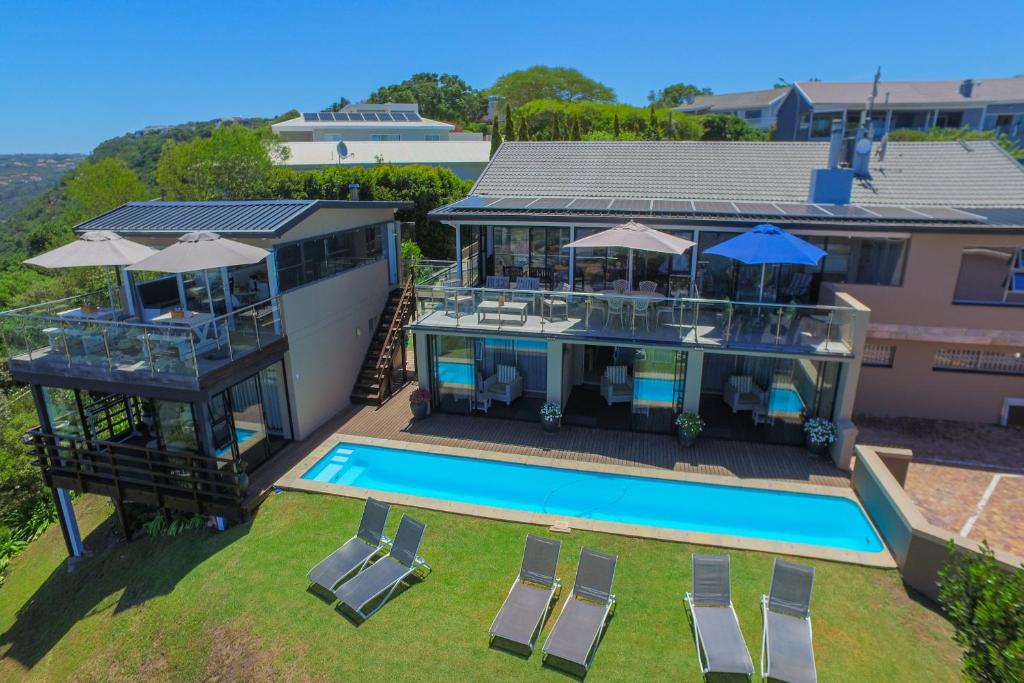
(201, 251)
(766, 244)
(93, 248)
(633, 235)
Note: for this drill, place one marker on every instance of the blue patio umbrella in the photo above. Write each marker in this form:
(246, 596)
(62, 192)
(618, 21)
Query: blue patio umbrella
(765, 244)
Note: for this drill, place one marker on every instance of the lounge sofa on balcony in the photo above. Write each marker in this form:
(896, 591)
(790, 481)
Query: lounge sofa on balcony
(616, 384)
(742, 393)
(505, 385)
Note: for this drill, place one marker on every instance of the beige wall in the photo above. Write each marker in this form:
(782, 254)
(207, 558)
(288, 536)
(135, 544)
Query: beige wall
(326, 221)
(325, 351)
(912, 388)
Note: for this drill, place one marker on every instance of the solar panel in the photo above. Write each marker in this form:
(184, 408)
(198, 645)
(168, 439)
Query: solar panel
(409, 116)
(943, 213)
(551, 203)
(355, 116)
(472, 202)
(713, 207)
(809, 210)
(630, 205)
(339, 116)
(309, 117)
(847, 211)
(895, 213)
(384, 116)
(398, 115)
(672, 206)
(369, 116)
(590, 204)
(512, 203)
(756, 209)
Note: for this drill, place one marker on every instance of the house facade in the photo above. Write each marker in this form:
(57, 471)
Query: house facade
(370, 134)
(758, 108)
(914, 310)
(176, 390)
(995, 104)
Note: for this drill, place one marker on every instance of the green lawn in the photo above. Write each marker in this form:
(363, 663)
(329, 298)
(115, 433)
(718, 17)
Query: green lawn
(234, 606)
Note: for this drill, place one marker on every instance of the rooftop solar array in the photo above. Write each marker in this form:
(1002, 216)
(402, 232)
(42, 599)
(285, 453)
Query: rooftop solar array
(686, 208)
(400, 116)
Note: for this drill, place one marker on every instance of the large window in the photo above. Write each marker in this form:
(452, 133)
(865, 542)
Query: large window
(597, 269)
(991, 275)
(301, 263)
(535, 251)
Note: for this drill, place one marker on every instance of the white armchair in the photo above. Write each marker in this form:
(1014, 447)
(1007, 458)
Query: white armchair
(505, 385)
(741, 393)
(616, 384)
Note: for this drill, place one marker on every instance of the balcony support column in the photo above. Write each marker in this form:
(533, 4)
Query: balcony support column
(556, 350)
(692, 380)
(422, 347)
(849, 375)
(68, 523)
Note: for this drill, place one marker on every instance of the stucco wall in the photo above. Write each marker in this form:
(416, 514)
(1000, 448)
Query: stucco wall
(325, 350)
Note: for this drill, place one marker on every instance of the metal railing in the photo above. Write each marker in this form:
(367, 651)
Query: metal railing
(94, 340)
(639, 317)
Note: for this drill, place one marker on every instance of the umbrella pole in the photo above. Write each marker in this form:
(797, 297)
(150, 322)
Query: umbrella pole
(629, 271)
(760, 294)
(110, 291)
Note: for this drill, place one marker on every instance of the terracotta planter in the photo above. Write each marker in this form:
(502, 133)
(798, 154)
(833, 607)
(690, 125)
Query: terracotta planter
(419, 410)
(550, 424)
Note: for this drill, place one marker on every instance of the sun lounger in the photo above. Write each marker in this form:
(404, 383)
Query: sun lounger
(787, 650)
(356, 551)
(522, 614)
(716, 629)
(385, 575)
(577, 632)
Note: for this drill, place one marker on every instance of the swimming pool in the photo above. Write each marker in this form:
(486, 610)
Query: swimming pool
(806, 518)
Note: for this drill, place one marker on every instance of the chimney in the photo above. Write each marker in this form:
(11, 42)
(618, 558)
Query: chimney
(967, 87)
(835, 147)
(832, 185)
(353, 192)
(862, 153)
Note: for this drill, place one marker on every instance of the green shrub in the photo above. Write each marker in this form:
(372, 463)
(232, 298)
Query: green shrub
(986, 605)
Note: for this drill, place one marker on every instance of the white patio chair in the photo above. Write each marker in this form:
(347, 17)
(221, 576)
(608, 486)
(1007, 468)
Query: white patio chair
(616, 384)
(742, 393)
(505, 385)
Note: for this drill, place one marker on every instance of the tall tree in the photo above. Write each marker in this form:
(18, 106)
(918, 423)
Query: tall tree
(97, 187)
(576, 133)
(675, 94)
(440, 96)
(233, 163)
(550, 83)
(495, 136)
(524, 129)
(556, 131)
(339, 105)
(509, 132)
(652, 125)
(616, 130)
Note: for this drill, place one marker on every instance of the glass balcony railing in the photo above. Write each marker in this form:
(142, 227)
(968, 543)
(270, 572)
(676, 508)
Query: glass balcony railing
(80, 335)
(636, 316)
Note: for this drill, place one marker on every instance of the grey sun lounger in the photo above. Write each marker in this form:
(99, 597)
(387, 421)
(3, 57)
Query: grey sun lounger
(385, 575)
(356, 551)
(577, 631)
(522, 614)
(716, 628)
(787, 650)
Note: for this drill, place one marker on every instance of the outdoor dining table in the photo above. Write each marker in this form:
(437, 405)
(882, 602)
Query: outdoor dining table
(628, 298)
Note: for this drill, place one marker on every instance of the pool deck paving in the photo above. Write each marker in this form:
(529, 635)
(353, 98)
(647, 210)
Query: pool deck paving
(712, 461)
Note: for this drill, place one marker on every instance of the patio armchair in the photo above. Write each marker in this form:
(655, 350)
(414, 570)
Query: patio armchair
(552, 303)
(616, 384)
(496, 282)
(742, 393)
(505, 385)
(521, 616)
(787, 645)
(526, 289)
(455, 296)
(716, 629)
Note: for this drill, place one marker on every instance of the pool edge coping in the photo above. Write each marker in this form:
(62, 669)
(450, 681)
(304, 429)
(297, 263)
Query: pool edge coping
(880, 559)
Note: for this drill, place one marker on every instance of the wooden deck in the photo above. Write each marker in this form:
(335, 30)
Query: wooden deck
(739, 459)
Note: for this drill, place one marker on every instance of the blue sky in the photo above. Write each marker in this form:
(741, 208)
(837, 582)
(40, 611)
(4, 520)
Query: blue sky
(74, 74)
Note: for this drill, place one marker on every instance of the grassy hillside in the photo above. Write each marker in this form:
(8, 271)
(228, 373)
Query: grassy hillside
(23, 177)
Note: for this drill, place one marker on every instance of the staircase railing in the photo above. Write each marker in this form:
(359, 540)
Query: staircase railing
(385, 367)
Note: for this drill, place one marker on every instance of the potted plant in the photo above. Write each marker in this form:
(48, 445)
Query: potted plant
(550, 416)
(820, 434)
(689, 426)
(242, 475)
(419, 401)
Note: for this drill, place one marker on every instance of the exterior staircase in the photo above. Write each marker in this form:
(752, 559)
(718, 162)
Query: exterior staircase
(380, 376)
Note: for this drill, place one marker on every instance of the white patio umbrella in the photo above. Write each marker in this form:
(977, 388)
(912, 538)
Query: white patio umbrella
(634, 237)
(101, 248)
(201, 250)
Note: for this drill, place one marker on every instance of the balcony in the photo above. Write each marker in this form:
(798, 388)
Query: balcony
(81, 337)
(635, 317)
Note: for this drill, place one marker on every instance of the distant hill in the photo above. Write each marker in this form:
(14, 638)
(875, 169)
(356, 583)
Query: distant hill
(24, 177)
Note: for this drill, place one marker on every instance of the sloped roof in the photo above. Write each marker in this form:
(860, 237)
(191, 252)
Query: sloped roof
(752, 99)
(856, 93)
(257, 218)
(959, 174)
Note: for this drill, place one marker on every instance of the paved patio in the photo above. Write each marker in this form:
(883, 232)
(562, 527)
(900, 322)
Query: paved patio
(742, 460)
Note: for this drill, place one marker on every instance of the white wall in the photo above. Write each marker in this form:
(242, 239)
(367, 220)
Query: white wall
(325, 351)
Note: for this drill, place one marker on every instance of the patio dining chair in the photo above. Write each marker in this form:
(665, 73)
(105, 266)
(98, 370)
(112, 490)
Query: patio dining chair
(642, 309)
(620, 286)
(616, 306)
(648, 286)
(512, 272)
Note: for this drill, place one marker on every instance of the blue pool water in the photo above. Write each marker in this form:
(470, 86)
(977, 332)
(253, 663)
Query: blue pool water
(241, 435)
(784, 400)
(755, 513)
(654, 390)
(455, 373)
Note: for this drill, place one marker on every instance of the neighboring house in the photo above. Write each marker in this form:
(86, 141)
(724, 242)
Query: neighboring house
(995, 104)
(756, 107)
(138, 403)
(917, 309)
(369, 134)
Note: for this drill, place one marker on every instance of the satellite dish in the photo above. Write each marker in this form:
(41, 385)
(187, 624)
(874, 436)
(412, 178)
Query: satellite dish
(863, 146)
(342, 151)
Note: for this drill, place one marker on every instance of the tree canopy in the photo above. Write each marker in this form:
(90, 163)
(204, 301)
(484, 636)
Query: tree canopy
(440, 96)
(675, 94)
(99, 186)
(550, 83)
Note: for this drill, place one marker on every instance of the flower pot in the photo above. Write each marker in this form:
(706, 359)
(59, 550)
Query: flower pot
(419, 410)
(686, 439)
(550, 424)
(243, 481)
(818, 449)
